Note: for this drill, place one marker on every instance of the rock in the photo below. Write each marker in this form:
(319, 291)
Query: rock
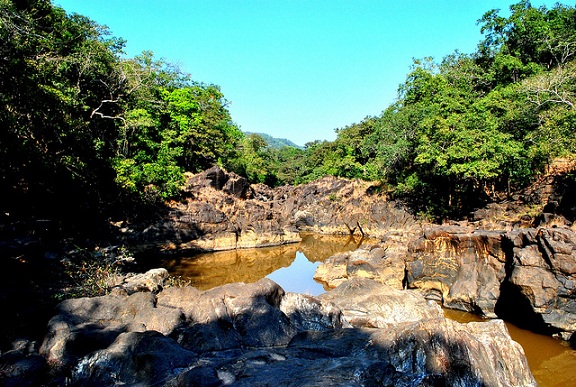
(384, 262)
(222, 211)
(18, 368)
(542, 278)
(134, 358)
(255, 334)
(458, 266)
(367, 303)
(151, 281)
(311, 313)
(83, 325)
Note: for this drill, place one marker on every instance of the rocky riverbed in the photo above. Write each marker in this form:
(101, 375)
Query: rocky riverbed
(361, 333)
(379, 325)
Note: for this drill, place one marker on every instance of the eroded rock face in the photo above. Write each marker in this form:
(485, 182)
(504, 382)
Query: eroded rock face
(542, 277)
(255, 334)
(461, 267)
(222, 211)
(384, 262)
(526, 275)
(370, 304)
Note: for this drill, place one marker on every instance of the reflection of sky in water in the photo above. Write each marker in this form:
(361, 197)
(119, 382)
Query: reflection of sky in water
(298, 276)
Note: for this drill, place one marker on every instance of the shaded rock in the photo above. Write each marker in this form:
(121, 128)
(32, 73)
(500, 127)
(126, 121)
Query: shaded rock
(246, 315)
(311, 313)
(19, 368)
(134, 358)
(251, 312)
(255, 334)
(83, 325)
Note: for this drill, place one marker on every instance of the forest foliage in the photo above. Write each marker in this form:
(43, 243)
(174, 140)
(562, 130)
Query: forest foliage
(88, 131)
(467, 126)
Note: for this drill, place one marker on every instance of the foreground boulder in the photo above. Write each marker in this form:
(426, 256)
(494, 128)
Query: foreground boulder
(255, 334)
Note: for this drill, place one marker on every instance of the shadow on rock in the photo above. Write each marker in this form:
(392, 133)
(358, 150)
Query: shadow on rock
(256, 334)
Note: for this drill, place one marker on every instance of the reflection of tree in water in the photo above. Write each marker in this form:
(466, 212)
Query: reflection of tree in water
(317, 248)
(208, 270)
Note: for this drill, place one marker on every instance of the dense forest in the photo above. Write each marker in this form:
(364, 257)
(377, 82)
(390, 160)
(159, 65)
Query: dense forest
(89, 134)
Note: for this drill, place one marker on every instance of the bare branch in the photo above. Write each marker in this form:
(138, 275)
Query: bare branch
(556, 87)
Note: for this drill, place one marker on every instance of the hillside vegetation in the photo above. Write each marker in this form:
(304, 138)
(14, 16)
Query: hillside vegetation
(90, 134)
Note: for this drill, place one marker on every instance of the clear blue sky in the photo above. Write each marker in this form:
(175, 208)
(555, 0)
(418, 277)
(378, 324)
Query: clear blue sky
(296, 69)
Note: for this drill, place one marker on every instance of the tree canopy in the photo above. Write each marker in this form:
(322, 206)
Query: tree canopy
(86, 129)
(90, 131)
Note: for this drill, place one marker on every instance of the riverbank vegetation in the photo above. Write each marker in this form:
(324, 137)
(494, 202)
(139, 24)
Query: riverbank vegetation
(90, 134)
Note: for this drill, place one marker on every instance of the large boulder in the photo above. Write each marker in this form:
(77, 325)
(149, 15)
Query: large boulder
(368, 303)
(541, 285)
(83, 325)
(461, 267)
(384, 262)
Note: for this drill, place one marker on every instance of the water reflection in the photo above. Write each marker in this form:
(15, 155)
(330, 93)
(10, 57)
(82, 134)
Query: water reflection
(292, 266)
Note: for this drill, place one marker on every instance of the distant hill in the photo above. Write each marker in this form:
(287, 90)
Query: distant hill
(274, 142)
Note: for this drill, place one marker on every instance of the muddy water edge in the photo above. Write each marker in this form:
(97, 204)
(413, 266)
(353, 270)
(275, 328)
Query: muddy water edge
(552, 361)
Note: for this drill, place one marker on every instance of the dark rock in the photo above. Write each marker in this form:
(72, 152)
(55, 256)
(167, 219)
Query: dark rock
(83, 325)
(255, 334)
(18, 368)
(135, 358)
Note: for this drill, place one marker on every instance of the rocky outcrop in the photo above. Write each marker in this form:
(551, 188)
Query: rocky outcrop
(370, 304)
(541, 281)
(363, 333)
(384, 262)
(222, 211)
(526, 276)
(461, 267)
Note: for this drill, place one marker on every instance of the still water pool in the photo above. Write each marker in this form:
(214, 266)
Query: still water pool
(292, 266)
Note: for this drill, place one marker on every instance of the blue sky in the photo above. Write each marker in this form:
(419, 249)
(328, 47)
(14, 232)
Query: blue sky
(296, 69)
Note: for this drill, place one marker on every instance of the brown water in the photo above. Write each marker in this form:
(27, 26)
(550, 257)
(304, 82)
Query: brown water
(552, 362)
(292, 266)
